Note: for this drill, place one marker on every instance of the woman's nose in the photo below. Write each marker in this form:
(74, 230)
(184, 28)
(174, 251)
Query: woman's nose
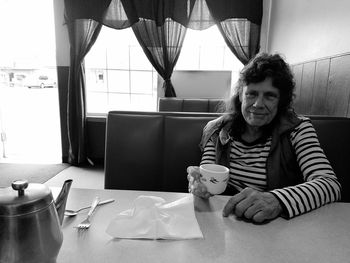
(259, 102)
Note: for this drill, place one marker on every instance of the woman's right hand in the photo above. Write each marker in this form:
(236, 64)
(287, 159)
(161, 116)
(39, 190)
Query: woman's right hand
(195, 186)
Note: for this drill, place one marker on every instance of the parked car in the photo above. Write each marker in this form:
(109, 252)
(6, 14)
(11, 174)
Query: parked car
(41, 81)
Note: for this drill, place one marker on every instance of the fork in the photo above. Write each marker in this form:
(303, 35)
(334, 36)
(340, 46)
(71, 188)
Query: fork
(69, 212)
(86, 223)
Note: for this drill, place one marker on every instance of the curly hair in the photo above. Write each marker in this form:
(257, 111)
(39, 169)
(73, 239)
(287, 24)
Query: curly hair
(264, 66)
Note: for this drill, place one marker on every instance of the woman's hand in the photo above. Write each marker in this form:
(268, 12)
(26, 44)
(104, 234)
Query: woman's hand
(195, 186)
(254, 205)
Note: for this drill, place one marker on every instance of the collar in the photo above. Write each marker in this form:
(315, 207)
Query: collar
(224, 123)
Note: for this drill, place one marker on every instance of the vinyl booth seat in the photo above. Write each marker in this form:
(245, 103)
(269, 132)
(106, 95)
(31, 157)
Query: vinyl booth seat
(191, 105)
(151, 150)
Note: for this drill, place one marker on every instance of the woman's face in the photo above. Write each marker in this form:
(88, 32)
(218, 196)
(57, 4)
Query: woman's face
(259, 103)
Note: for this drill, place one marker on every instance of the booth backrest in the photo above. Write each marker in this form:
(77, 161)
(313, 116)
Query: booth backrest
(191, 105)
(151, 150)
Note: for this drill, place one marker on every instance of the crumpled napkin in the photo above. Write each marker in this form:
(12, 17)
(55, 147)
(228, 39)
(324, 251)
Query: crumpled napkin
(153, 218)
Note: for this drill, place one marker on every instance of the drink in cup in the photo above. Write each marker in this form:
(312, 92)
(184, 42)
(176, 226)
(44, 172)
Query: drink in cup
(215, 177)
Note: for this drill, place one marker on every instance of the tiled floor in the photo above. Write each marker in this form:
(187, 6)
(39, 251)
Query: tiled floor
(85, 177)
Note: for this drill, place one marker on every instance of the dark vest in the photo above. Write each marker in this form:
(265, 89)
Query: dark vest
(282, 168)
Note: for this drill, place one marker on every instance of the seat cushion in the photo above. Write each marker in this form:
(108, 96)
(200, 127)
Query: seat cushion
(181, 138)
(134, 152)
(334, 136)
(170, 104)
(216, 105)
(195, 105)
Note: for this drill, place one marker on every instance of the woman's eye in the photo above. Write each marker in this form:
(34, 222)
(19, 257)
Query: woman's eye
(271, 97)
(250, 95)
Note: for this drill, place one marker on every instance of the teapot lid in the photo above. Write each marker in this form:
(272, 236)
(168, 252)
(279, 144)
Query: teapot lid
(23, 198)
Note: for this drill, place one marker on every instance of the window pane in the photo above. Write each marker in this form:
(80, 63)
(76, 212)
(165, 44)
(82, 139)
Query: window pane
(206, 50)
(189, 58)
(231, 62)
(143, 102)
(118, 81)
(138, 59)
(96, 59)
(96, 80)
(119, 101)
(98, 102)
(118, 57)
(212, 57)
(141, 82)
(133, 102)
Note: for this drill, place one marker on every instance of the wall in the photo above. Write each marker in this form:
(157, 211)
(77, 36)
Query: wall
(62, 40)
(265, 26)
(307, 30)
(62, 61)
(314, 37)
(199, 84)
(322, 86)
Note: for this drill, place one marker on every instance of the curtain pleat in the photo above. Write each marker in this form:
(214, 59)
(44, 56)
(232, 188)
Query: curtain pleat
(242, 37)
(222, 10)
(239, 24)
(200, 18)
(82, 36)
(162, 45)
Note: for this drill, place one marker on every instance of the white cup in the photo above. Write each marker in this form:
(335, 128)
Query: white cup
(215, 177)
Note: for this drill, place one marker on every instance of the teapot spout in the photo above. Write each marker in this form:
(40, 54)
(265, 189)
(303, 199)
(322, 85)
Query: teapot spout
(61, 199)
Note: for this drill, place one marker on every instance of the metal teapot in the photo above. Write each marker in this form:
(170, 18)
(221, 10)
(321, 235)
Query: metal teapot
(30, 222)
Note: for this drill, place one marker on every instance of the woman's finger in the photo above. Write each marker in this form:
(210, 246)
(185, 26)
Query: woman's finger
(252, 210)
(242, 206)
(260, 217)
(232, 202)
(200, 190)
(193, 171)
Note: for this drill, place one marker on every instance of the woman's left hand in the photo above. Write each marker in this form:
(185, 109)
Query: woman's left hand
(254, 205)
(195, 186)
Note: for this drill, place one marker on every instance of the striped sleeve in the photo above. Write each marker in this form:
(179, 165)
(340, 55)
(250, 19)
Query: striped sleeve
(320, 183)
(208, 155)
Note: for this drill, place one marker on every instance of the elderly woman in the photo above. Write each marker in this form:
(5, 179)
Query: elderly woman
(277, 167)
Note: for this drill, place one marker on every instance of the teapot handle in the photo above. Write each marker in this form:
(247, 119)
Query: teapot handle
(19, 185)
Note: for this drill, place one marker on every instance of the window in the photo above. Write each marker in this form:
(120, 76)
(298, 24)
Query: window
(118, 74)
(207, 50)
(120, 77)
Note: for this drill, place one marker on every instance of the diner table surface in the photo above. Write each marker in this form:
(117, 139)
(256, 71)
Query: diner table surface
(322, 235)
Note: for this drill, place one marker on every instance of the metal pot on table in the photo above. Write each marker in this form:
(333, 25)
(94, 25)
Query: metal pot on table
(30, 222)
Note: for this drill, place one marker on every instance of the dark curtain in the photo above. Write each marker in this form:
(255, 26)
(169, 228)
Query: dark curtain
(239, 23)
(160, 28)
(82, 35)
(84, 19)
(242, 37)
(162, 46)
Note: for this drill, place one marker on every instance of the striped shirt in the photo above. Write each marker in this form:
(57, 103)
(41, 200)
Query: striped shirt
(248, 169)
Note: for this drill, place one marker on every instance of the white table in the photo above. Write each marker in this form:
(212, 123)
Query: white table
(322, 235)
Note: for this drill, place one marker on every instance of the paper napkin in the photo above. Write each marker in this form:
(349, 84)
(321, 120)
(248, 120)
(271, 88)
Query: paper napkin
(152, 218)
